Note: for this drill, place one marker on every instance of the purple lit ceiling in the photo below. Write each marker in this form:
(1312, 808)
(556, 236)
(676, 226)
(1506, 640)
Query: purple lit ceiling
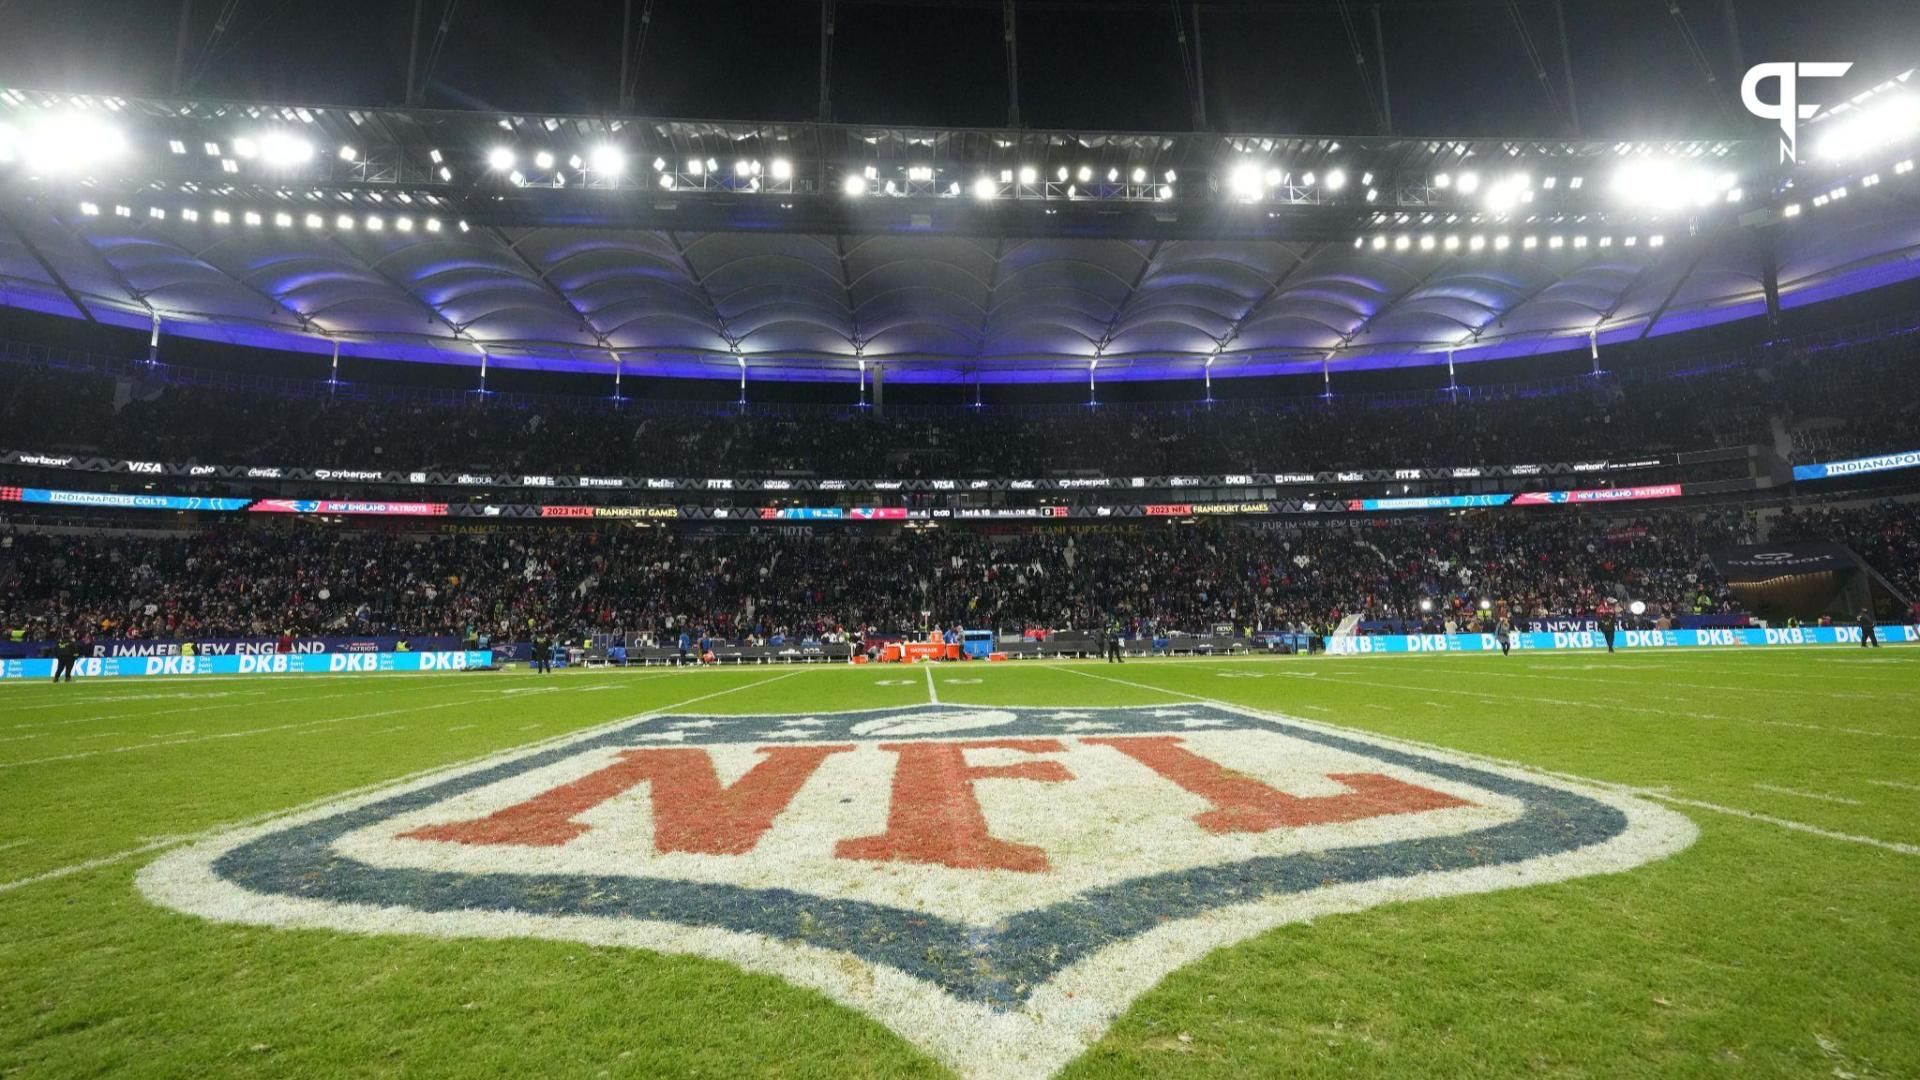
(928, 307)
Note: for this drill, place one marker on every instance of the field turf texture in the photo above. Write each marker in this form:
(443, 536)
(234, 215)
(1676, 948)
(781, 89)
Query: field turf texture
(1781, 943)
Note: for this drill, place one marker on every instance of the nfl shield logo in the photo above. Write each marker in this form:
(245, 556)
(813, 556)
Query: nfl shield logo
(995, 884)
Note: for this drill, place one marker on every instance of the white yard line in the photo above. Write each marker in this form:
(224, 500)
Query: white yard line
(322, 722)
(933, 696)
(1799, 794)
(185, 838)
(464, 727)
(1901, 785)
(1650, 793)
(10, 845)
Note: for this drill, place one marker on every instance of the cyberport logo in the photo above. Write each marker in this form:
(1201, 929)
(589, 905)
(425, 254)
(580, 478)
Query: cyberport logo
(994, 884)
(1787, 109)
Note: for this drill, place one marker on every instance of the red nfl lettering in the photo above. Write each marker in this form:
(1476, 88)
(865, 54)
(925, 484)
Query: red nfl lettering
(1243, 804)
(935, 815)
(692, 811)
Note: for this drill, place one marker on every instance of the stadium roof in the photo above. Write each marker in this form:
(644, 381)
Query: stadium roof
(686, 248)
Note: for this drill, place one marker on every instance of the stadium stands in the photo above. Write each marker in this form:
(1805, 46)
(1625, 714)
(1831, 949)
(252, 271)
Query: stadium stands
(1835, 402)
(653, 582)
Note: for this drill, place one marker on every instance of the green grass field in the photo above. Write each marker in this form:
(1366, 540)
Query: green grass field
(1781, 943)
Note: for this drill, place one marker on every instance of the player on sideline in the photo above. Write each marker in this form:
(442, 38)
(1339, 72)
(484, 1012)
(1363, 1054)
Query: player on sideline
(1608, 624)
(542, 654)
(64, 654)
(1868, 634)
(1504, 629)
(1113, 643)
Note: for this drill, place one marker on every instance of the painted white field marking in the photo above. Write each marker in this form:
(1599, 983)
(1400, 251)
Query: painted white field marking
(22, 738)
(114, 699)
(1613, 706)
(1787, 823)
(389, 730)
(1660, 793)
(529, 727)
(933, 695)
(214, 830)
(893, 682)
(1666, 682)
(464, 727)
(235, 734)
(1895, 784)
(10, 845)
(963, 682)
(362, 692)
(1799, 794)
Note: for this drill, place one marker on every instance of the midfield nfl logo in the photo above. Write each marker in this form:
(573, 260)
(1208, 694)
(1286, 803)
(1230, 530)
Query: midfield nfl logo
(994, 884)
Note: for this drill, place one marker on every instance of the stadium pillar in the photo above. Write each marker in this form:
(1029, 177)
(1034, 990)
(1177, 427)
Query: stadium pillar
(1593, 349)
(1013, 64)
(483, 371)
(413, 52)
(743, 380)
(1199, 73)
(1770, 276)
(1326, 378)
(1453, 384)
(1380, 49)
(619, 368)
(879, 389)
(333, 375)
(1566, 65)
(826, 60)
(1208, 372)
(863, 382)
(180, 45)
(1091, 368)
(153, 341)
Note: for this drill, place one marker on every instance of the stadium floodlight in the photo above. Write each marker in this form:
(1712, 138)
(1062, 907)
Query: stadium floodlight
(1426, 604)
(176, 146)
(985, 188)
(1061, 174)
(283, 220)
(1452, 243)
(88, 209)
(1402, 242)
(1478, 243)
(1244, 181)
(782, 169)
(1165, 192)
(156, 213)
(694, 168)
(349, 155)
(500, 159)
(221, 217)
(1903, 168)
(1790, 210)
(1029, 175)
(1669, 185)
(1501, 243)
(1638, 607)
(920, 174)
(244, 147)
(1379, 243)
(854, 185)
(1085, 175)
(404, 224)
(1443, 181)
(543, 160)
(1139, 176)
(1336, 179)
(190, 215)
(1890, 118)
(741, 169)
(375, 224)
(315, 221)
(1486, 605)
(281, 150)
(1503, 195)
(1274, 178)
(433, 224)
(1426, 242)
(1308, 180)
(667, 181)
(344, 223)
(69, 144)
(609, 160)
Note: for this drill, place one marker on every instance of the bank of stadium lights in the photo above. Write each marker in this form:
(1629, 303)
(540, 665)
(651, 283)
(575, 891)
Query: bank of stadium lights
(1671, 185)
(61, 145)
(1872, 121)
(501, 159)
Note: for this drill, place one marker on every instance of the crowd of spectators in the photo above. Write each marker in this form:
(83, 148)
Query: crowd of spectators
(1860, 398)
(654, 583)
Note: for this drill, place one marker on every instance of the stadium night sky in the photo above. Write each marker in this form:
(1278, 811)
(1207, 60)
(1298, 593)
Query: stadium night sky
(1453, 66)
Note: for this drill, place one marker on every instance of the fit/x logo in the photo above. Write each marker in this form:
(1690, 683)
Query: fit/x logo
(1788, 110)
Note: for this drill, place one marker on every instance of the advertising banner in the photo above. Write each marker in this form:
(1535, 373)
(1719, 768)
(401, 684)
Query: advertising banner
(119, 500)
(95, 667)
(1388, 644)
(248, 646)
(1856, 466)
